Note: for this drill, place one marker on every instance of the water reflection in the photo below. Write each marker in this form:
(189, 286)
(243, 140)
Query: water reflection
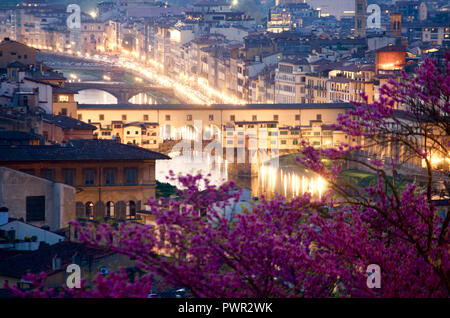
(289, 182)
(142, 99)
(193, 163)
(94, 96)
(265, 179)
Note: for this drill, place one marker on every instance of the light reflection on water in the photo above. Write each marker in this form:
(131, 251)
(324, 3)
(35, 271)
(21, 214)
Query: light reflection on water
(94, 96)
(267, 180)
(289, 182)
(194, 163)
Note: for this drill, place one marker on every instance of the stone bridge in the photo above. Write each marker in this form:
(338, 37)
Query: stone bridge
(123, 92)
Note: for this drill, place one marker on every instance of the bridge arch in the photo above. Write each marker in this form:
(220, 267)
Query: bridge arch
(110, 97)
(188, 132)
(142, 98)
(123, 92)
(212, 131)
(167, 132)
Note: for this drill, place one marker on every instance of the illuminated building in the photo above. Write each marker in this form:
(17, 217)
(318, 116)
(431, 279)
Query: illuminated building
(288, 16)
(390, 58)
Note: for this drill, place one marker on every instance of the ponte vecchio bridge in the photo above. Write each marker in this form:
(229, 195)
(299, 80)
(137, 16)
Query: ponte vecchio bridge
(123, 92)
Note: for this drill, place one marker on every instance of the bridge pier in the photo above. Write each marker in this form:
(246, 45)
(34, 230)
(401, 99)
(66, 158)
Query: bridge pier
(123, 97)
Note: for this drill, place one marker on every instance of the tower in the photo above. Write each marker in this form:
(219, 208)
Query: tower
(396, 24)
(360, 18)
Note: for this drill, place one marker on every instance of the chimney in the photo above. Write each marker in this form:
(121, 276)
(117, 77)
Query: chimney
(3, 215)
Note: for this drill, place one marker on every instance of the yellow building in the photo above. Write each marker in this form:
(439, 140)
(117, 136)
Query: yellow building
(64, 102)
(143, 134)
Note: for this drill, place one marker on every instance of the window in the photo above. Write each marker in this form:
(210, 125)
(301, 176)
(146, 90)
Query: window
(89, 210)
(101, 117)
(131, 209)
(110, 209)
(232, 118)
(211, 117)
(319, 116)
(69, 176)
(283, 142)
(89, 177)
(136, 132)
(145, 117)
(110, 176)
(297, 117)
(283, 132)
(188, 117)
(35, 206)
(48, 174)
(128, 132)
(63, 98)
(124, 117)
(64, 111)
(167, 117)
(130, 176)
(275, 117)
(254, 117)
(295, 142)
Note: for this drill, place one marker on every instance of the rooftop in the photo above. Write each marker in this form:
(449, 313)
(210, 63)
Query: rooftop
(66, 122)
(18, 135)
(80, 149)
(41, 259)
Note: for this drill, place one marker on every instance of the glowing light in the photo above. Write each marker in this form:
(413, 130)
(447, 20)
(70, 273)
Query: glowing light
(290, 184)
(93, 14)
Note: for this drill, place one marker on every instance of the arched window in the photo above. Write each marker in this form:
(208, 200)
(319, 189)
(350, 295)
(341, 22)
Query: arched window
(89, 210)
(131, 210)
(110, 209)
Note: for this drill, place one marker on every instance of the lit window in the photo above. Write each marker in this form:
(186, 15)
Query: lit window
(63, 98)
